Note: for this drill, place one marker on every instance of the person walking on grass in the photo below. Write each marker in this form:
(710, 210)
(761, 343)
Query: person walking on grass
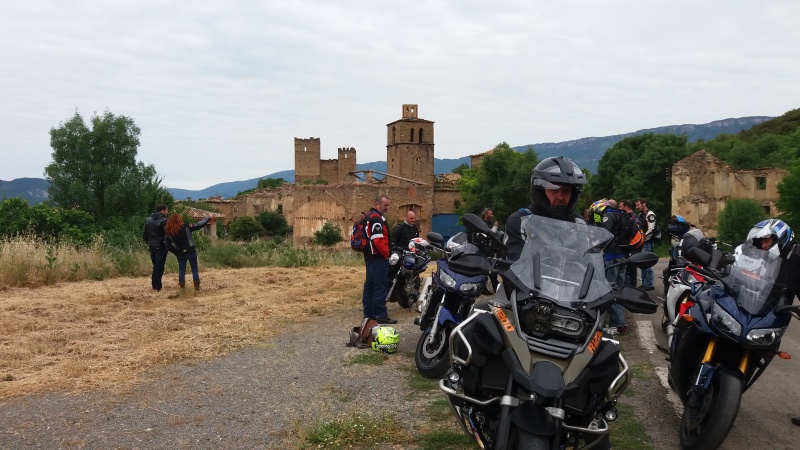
(179, 241)
(153, 235)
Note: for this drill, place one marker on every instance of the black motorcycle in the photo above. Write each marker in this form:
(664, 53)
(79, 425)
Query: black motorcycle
(532, 367)
(405, 267)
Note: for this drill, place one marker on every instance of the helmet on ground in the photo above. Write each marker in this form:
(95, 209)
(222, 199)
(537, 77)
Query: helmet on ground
(553, 173)
(782, 236)
(385, 339)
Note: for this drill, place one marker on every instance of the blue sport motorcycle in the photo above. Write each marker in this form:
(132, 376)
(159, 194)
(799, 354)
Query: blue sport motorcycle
(445, 300)
(725, 340)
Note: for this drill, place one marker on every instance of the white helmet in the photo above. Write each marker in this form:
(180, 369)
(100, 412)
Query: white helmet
(782, 236)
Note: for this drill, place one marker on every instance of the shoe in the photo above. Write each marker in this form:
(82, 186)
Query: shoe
(622, 330)
(386, 320)
(648, 288)
(796, 420)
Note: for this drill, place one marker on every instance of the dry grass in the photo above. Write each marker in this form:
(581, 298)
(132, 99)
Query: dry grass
(86, 334)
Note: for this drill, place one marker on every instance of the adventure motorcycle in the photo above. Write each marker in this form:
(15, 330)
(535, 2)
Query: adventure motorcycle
(446, 300)
(725, 340)
(532, 367)
(405, 267)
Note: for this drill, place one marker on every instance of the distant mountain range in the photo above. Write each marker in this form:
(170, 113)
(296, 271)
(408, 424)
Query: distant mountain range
(586, 152)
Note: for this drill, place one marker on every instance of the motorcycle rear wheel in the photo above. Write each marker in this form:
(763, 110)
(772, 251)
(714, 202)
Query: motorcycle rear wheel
(433, 359)
(707, 425)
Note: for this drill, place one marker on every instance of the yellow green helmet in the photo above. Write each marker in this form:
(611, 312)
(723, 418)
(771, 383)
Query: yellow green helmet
(385, 339)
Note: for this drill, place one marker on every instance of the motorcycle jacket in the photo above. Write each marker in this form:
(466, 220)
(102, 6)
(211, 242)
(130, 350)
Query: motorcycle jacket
(649, 219)
(403, 233)
(153, 232)
(378, 235)
(611, 220)
(515, 235)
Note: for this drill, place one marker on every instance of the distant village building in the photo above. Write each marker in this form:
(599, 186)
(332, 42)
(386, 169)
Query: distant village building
(702, 182)
(409, 183)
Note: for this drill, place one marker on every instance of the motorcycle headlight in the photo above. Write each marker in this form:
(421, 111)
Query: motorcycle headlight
(566, 325)
(764, 337)
(470, 288)
(725, 322)
(447, 280)
(394, 258)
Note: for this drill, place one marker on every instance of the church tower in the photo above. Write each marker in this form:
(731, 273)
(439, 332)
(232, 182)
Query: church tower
(409, 148)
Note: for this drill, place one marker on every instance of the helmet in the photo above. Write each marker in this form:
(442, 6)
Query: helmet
(417, 243)
(552, 173)
(777, 229)
(597, 210)
(385, 339)
(678, 226)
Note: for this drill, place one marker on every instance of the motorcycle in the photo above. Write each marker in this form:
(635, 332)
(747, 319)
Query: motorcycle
(725, 340)
(446, 300)
(532, 367)
(405, 267)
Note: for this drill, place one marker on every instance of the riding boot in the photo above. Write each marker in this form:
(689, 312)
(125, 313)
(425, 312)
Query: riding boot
(182, 284)
(197, 286)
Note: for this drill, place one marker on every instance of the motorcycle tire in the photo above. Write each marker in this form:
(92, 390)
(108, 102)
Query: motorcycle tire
(433, 360)
(708, 425)
(664, 322)
(524, 440)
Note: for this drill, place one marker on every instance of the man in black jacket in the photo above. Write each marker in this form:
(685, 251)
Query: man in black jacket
(405, 231)
(153, 235)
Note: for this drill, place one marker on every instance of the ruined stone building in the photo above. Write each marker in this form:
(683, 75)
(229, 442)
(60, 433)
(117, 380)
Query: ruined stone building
(702, 182)
(409, 183)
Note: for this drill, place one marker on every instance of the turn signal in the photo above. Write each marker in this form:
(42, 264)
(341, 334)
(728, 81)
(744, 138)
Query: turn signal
(784, 355)
(688, 317)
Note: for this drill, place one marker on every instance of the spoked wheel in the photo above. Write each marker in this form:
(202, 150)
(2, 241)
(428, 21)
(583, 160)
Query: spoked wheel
(433, 355)
(706, 421)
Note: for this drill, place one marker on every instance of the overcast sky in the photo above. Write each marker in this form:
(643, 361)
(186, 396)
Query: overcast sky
(221, 89)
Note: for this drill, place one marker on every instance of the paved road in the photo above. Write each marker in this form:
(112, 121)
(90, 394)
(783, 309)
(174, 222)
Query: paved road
(764, 416)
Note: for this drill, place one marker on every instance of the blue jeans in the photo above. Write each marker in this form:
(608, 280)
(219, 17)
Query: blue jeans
(647, 274)
(182, 268)
(616, 275)
(375, 288)
(159, 258)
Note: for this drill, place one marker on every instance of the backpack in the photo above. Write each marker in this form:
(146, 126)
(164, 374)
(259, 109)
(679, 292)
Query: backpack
(358, 237)
(629, 235)
(361, 336)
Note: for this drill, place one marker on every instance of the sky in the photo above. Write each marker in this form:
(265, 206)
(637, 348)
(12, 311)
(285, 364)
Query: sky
(221, 89)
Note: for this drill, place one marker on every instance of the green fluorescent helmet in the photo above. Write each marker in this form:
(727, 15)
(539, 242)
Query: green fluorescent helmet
(385, 339)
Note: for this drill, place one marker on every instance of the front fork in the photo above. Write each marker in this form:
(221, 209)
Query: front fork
(707, 368)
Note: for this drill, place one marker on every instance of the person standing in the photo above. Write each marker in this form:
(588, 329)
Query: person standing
(405, 231)
(631, 272)
(179, 241)
(648, 218)
(153, 235)
(488, 216)
(612, 255)
(376, 259)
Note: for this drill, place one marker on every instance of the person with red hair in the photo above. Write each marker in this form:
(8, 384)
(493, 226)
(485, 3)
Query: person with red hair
(179, 241)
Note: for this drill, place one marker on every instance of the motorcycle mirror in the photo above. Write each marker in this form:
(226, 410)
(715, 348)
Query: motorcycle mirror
(698, 256)
(643, 260)
(475, 224)
(635, 300)
(469, 264)
(435, 238)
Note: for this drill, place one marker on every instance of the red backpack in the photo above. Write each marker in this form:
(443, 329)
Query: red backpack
(358, 237)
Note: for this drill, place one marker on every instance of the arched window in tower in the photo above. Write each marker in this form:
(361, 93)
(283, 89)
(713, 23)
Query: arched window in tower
(420, 135)
(412, 135)
(394, 132)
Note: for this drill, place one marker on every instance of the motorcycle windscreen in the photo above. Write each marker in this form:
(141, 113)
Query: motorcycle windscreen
(753, 276)
(561, 260)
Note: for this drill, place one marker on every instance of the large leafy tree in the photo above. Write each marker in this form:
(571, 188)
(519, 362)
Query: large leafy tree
(739, 215)
(637, 167)
(95, 169)
(789, 201)
(501, 182)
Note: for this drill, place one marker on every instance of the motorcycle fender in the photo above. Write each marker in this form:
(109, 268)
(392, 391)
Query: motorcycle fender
(533, 419)
(703, 379)
(546, 378)
(445, 315)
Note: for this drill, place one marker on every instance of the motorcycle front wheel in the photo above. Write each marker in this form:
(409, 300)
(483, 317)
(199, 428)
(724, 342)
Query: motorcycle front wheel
(707, 423)
(433, 358)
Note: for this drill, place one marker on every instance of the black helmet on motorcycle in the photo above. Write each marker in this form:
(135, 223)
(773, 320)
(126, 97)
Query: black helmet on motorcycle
(554, 173)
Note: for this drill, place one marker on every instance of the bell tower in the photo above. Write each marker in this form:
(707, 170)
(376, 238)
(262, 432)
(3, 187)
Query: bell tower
(409, 148)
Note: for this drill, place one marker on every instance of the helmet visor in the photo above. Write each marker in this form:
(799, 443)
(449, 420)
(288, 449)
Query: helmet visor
(544, 184)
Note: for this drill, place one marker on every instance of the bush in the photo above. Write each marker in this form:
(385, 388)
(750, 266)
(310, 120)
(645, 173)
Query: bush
(330, 234)
(736, 220)
(274, 223)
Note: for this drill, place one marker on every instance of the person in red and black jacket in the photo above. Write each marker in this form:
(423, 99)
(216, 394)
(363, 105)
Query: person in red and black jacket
(376, 258)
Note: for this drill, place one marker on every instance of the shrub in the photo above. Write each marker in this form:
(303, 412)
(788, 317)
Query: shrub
(330, 234)
(245, 228)
(738, 217)
(274, 223)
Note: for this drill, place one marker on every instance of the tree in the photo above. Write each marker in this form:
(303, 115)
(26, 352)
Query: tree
(245, 228)
(738, 217)
(789, 201)
(274, 223)
(270, 183)
(330, 234)
(459, 169)
(501, 182)
(95, 170)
